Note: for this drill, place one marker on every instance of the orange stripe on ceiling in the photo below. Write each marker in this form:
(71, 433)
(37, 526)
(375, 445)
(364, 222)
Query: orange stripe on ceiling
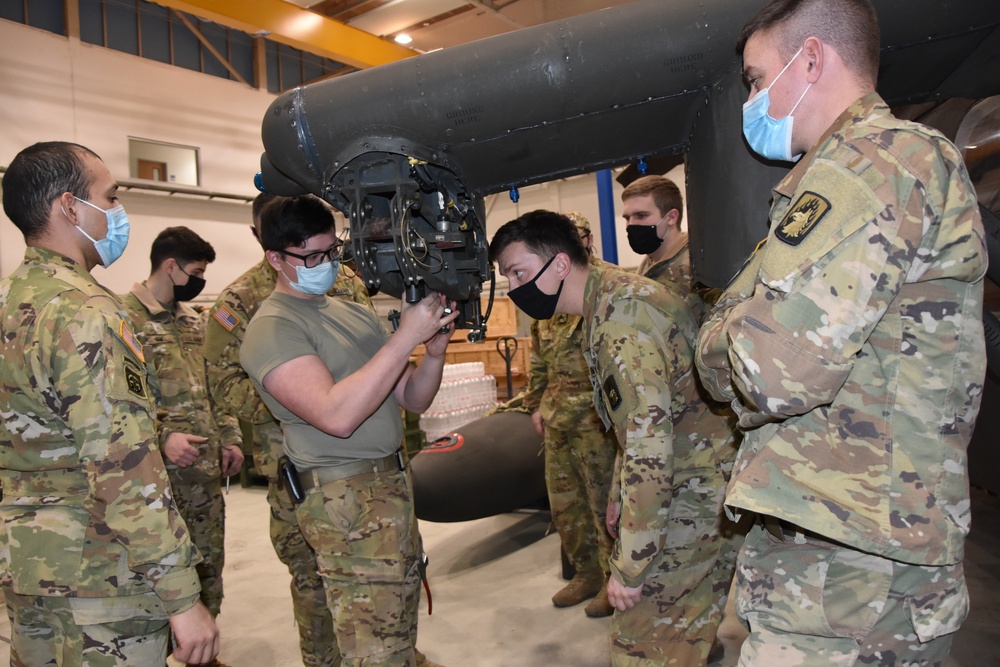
(301, 28)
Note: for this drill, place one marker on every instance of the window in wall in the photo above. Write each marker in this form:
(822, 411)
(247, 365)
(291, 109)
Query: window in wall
(159, 161)
(157, 33)
(151, 31)
(45, 14)
(122, 24)
(288, 67)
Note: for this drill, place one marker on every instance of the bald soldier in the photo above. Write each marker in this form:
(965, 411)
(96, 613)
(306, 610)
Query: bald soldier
(851, 346)
(579, 451)
(96, 566)
(670, 566)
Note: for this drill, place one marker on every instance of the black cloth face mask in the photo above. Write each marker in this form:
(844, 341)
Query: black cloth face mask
(189, 290)
(535, 303)
(643, 239)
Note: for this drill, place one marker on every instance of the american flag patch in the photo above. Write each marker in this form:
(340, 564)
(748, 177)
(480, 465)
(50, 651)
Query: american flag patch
(131, 342)
(226, 318)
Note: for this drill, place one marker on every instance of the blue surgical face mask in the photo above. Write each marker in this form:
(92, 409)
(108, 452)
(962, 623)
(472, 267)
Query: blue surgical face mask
(315, 281)
(113, 244)
(768, 137)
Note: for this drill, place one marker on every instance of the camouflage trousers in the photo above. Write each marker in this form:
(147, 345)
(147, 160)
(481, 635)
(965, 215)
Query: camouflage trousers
(809, 602)
(204, 511)
(49, 631)
(317, 642)
(579, 466)
(682, 602)
(367, 545)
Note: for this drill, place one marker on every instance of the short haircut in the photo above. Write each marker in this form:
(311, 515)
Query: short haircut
(544, 233)
(182, 245)
(850, 26)
(288, 222)
(259, 202)
(38, 175)
(666, 194)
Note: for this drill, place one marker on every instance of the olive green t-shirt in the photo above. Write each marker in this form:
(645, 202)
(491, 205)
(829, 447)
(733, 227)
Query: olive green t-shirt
(345, 336)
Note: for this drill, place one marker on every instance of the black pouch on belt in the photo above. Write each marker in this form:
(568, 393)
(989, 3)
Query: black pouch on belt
(289, 477)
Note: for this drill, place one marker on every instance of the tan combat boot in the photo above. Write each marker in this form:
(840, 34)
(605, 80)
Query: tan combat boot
(580, 588)
(599, 607)
(422, 660)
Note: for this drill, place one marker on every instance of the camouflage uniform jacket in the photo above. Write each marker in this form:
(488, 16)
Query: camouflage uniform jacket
(638, 340)
(87, 509)
(675, 273)
(559, 379)
(175, 341)
(858, 356)
(230, 387)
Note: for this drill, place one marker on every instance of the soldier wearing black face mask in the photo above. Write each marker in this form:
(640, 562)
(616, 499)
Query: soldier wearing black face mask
(200, 444)
(652, 212)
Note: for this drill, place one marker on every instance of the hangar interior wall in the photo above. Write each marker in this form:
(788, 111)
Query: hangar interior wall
(57, 88)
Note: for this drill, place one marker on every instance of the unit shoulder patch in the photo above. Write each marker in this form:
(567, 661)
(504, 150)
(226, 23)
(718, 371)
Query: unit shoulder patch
(225, 317)
(611, 393)
(802, 218)
(135, 379)
(131, 342)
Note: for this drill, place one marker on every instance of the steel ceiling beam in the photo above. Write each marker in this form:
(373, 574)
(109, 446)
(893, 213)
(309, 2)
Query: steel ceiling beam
(303, 29)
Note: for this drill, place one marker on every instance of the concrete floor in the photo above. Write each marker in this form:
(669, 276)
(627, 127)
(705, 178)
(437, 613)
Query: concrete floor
(491, 581)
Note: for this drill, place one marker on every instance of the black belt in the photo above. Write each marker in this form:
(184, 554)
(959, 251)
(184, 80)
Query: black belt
(320, 476)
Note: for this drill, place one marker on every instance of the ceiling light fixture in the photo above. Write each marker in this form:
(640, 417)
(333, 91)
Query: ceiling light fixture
(403, 38)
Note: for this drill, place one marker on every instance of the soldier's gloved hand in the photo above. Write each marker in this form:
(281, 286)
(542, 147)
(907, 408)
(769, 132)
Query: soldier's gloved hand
(181, 448)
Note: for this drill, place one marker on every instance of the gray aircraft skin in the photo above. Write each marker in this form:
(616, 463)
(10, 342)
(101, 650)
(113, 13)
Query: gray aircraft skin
(407, 151)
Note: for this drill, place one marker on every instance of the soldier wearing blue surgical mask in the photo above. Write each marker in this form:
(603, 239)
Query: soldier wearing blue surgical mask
(96, 560)
(851, 349)
(335, 380)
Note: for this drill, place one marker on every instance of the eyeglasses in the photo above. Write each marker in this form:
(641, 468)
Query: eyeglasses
(314, 259)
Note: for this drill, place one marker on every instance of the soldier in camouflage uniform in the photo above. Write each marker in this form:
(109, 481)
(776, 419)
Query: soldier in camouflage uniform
(852, 348)
(198, 447)
(670, 565)
(652, 210)
(96, 566)
(579, 451)
(333, 383)
(233, 391)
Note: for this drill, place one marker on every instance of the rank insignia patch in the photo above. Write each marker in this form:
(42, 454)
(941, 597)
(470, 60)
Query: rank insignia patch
(611, 393)
(135, 379)
(131, 342)
(224, 317)
(802, 218)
